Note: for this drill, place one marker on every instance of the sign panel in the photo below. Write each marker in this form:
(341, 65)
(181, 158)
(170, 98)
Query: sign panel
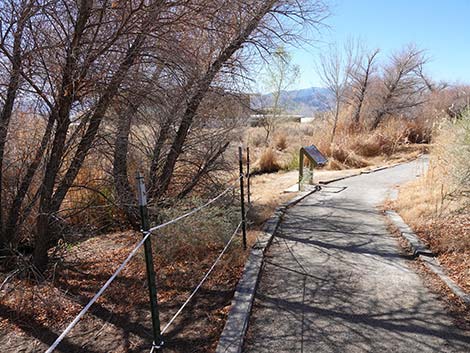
(313, 152)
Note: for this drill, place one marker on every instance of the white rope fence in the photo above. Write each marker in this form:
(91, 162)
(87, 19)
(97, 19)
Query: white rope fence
(203, 280)
(132, 254)
(196, 289)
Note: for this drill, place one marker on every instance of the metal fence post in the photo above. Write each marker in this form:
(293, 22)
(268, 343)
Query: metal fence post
(242, 197)
(248, 176)
(142, 196)
(301, 168)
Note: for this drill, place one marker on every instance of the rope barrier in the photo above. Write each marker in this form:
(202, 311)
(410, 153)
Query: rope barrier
(203, 280)
(130, 256)
(151, 230)
(96, 296)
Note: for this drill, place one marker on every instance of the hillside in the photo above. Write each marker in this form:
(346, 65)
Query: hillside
(303, 101)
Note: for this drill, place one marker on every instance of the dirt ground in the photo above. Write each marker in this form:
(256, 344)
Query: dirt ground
(32, 315)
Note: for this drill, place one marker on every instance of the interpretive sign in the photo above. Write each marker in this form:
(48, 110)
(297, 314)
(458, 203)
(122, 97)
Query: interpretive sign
(314, 156)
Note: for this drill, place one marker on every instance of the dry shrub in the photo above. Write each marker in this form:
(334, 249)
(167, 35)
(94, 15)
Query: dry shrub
(90, 204)
(418, 131)
(354, 146)
(281, 141)
(374, 145)
(257, 137)
(333, 164)
(437, 205)
(214, 225)
(268, 162)
(344, 159)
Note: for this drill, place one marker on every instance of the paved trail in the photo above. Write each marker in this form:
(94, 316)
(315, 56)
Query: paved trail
(335, 280)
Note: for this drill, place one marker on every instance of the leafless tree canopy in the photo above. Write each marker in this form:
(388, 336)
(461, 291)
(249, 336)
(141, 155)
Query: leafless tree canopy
(122, 84)
(373, 90)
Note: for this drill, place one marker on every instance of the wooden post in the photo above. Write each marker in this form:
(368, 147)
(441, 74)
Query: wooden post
(142, 196)
(242, 197)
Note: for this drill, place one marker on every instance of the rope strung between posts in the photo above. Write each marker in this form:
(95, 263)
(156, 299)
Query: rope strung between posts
(151, 230)
(203, 279)
(97, 295)
(196, 289)
(126, 261)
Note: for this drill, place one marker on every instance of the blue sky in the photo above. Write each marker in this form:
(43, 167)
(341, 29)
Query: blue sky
(441, 27)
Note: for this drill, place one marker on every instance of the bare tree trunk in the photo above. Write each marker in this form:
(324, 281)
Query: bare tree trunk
(335, 123)
(362, 80)
(202, 88)
(120, 173)
(51, 202)
(61, 114)
(12, 224)
(157, 151)
(6, 112)
(377, 120)
(121, 149)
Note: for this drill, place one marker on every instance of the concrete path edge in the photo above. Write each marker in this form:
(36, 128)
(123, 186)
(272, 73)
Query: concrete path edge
(232, 338)
(233, 334)
(426, 255)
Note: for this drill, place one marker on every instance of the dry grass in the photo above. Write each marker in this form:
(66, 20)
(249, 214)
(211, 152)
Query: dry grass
(436, 205)
(268, 162)
(281, 141)
(353, 148)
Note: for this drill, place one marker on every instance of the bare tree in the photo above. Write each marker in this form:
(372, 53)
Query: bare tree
(362, 69)
(82, 61)
(334, 69)
(280, 75)
(12, 46)
(401, 87)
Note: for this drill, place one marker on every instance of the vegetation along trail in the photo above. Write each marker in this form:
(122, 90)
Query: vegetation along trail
(335, 280)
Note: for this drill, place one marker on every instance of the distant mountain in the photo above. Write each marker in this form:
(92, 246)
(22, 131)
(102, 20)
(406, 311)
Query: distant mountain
(305, 101)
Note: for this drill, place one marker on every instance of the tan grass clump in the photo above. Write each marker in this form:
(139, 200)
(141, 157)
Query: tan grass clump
(281, 141)
(437, 204)
(268, 162)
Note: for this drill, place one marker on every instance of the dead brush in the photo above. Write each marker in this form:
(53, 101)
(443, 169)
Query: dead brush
(256, 137)
(268, 162)
(214, 224)
(281, 141)
(349, 158)
(437, 204)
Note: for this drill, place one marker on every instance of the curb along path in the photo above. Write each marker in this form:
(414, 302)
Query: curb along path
(232, 337)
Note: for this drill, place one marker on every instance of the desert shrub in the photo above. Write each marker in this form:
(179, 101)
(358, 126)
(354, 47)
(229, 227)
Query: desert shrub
(459, 152)
(257, 137)
(281, 141)
(294, 161)
(348, 158)
(90, 206)
(418, 131)
(333, 164)
(268, 162)
(214, 224)
(437, 204)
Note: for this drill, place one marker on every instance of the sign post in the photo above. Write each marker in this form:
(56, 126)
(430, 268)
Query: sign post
(248, 176)
(315, 158)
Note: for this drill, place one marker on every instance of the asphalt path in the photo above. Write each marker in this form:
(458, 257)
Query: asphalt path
(336, 280)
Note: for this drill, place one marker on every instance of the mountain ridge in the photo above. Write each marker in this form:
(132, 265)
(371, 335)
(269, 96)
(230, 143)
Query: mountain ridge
(305, 101)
